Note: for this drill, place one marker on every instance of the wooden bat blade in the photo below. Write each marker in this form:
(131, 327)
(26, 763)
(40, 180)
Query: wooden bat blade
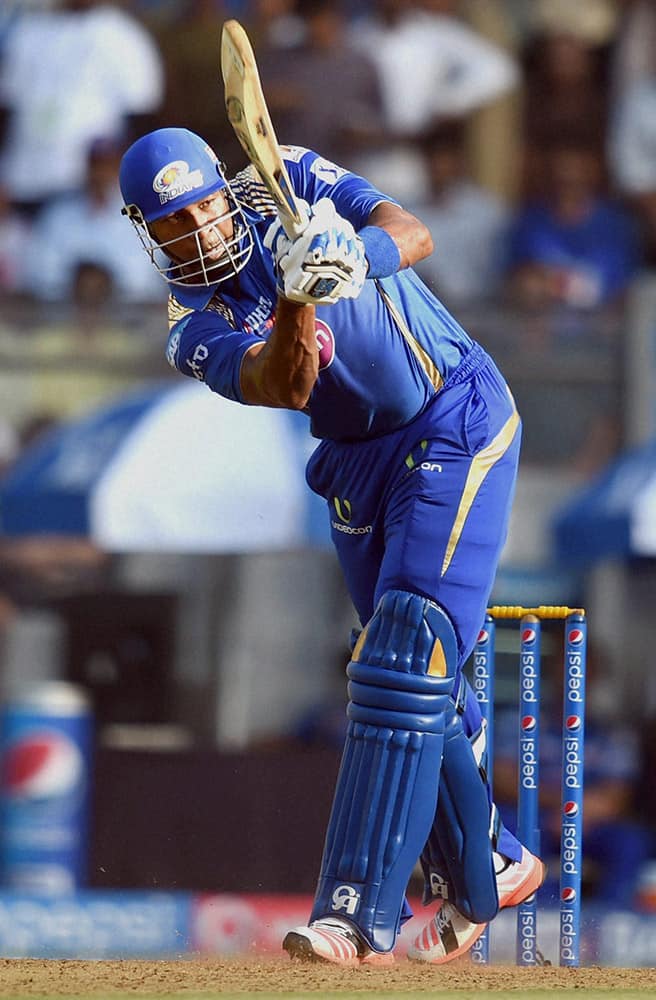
(249, 116)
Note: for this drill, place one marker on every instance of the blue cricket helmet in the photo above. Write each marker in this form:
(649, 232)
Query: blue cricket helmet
(166, 170)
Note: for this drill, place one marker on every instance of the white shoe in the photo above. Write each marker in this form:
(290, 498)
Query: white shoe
(449, 935)
(332, 940)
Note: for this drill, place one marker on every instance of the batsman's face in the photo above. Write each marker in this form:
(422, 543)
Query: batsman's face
(206, 225)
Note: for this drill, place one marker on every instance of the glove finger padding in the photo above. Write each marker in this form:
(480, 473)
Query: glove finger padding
(326, 263)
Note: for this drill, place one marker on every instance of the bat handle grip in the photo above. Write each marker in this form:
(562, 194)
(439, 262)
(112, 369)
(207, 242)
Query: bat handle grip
(295, 224)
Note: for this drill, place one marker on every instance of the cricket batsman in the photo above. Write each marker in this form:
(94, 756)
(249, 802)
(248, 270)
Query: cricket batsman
(417, 457)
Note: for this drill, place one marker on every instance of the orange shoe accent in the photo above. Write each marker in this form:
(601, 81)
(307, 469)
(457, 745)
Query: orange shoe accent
(449, 935)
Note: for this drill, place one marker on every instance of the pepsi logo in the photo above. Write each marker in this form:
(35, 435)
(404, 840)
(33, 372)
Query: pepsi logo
(568, 894)
(43, 764)
(528, 635)
(572, 723)
(529, 722)
(483, 636)
(570, 809)
(575, 637)
(325, 343)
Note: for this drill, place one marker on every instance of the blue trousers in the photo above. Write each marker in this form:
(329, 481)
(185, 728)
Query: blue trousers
(426, 508)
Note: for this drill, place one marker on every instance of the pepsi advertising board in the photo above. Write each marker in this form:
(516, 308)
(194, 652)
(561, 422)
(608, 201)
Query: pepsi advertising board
(45, 771)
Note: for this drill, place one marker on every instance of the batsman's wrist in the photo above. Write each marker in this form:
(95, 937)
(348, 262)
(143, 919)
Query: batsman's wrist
(383, 255)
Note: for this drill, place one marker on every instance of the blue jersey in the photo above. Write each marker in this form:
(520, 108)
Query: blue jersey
(383, 356)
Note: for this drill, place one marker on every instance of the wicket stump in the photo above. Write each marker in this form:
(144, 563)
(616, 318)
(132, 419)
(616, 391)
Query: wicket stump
(573, 736)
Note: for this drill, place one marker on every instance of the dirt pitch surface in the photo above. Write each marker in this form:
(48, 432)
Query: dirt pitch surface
(21, 978)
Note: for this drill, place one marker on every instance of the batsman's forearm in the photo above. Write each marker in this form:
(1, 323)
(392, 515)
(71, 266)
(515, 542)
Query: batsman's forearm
(411, 236)
(283, 371)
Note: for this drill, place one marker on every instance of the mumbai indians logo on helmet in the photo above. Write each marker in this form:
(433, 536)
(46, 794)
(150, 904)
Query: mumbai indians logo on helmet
(528, 635)
(575, 636)
(568, 895)
(570, 809)
(175, 179)
(573, 723)
(529, 722)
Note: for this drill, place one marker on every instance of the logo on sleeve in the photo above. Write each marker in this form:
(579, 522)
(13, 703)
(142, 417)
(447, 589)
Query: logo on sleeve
(172, 349)
(326, 171)
(325, 343)
(197, 361)
(293, 153)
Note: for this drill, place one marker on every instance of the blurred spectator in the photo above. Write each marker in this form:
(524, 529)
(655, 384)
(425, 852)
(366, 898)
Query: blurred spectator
(275, 23)
(468, 225)
(573, 246)
(189, 44)
(322, 91)
(493, 134)
(9, 444)
(67, 75)
(14, 239)
(633, 57)
(632, 155)
(616, 841)
(565, 74)
(88, 228)
(431, 67)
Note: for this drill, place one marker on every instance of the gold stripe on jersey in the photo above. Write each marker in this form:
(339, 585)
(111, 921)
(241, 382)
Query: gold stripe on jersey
(217, 305)
(433, 373)
(478, 470)
(176, 311)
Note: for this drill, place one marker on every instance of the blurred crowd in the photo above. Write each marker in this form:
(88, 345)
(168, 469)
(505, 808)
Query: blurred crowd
(523, 133)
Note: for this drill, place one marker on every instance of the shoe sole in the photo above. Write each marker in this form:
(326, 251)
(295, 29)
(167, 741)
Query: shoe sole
(300, 949)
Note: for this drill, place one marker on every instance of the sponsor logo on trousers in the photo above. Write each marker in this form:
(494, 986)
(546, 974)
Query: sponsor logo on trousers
(366, 529)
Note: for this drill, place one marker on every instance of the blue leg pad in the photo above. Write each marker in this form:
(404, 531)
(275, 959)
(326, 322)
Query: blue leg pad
(461, 840)
(401, 679)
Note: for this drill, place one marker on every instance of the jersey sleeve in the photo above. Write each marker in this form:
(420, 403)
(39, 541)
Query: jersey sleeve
(204, 346)
(314, 177)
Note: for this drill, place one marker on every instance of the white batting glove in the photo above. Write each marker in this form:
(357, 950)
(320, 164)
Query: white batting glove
(322, 265)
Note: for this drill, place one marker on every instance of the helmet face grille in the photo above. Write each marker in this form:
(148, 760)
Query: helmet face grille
(227, 257)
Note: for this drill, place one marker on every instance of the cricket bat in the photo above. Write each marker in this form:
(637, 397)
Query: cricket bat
(251, 122)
